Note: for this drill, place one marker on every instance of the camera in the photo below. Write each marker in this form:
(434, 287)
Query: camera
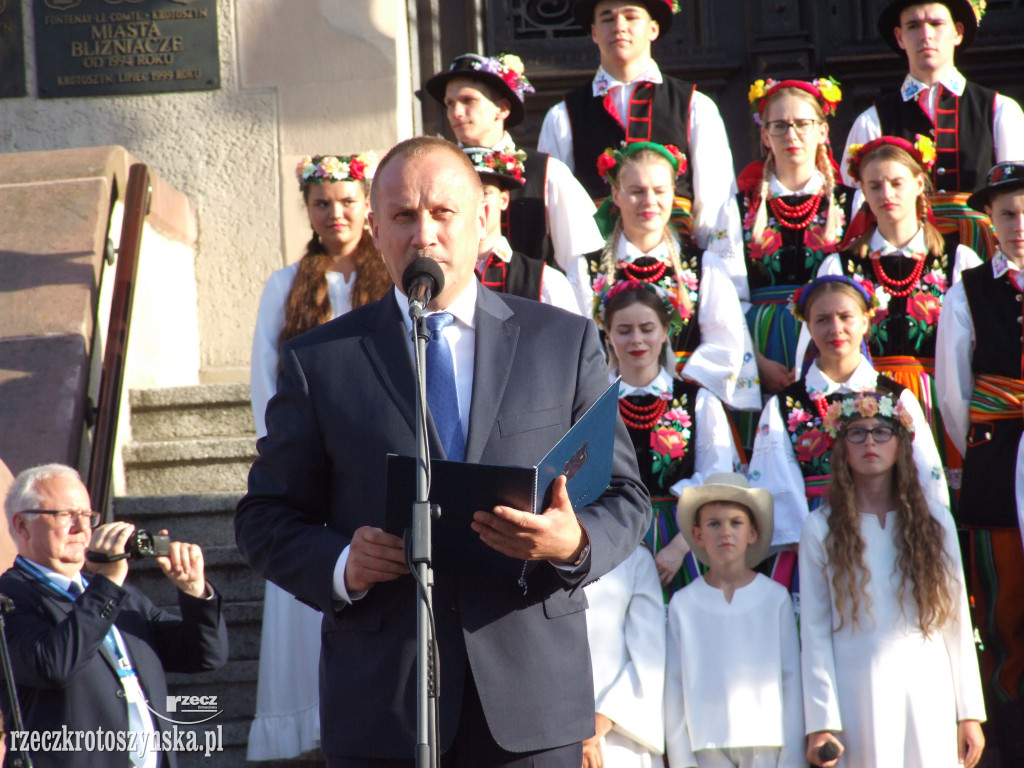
(143, 544)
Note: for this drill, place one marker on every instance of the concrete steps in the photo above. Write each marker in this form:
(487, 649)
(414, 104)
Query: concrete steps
(185, 471)
(189, 440)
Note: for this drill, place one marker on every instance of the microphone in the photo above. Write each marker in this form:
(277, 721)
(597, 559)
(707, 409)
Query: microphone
(422, 281)
(828, 751)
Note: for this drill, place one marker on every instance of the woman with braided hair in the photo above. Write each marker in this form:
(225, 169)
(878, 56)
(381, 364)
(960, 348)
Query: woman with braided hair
(713, 346)
(794, 213)
(894, 248)
(339, 271)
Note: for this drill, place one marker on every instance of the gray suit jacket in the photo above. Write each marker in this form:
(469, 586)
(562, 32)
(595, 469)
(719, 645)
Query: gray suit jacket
(344, 401)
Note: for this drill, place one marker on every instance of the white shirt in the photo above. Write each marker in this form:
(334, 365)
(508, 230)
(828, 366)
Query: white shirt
(773, 464)
(716, 216)
(1007, 122)
(270, 322)
(732, 675)
(554, 287)
(954, 379)
(626, 630)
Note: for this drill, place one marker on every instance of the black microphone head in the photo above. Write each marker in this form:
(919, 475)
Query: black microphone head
(423, 267)
(828, 751)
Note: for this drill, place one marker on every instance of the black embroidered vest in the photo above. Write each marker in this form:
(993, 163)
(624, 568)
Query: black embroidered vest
(659, 113)
(907, 325)
(965, 148)
(793, 255)
(519, 276)
(987, 491)
(660, 472)
(524, 224)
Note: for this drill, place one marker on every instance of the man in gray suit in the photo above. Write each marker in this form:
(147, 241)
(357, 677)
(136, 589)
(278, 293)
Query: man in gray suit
(516, 684)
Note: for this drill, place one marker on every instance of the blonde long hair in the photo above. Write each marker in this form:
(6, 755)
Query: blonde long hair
(644, 157)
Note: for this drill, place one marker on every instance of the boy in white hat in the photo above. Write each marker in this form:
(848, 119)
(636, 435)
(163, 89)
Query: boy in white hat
(732, 684)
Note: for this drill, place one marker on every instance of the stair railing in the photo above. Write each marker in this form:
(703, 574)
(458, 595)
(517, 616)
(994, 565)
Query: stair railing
(101, 460)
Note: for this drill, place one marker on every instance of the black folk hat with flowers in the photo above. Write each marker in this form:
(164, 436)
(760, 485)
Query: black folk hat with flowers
(504, 73)
(661, 11)
(1004, 177)
(967, 12)
(502, 169)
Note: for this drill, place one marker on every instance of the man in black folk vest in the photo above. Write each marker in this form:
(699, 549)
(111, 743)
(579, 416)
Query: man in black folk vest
(630, 99)
(500, 267)
(973, 127)
(551, 216)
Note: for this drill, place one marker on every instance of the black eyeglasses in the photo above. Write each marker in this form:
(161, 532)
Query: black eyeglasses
(858, 435)
(68, 517)
(781, 127)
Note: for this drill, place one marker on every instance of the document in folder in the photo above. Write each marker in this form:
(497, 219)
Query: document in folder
(583, 455)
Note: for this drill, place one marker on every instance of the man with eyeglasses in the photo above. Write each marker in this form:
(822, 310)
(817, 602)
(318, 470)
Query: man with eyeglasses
(973, 127)
(87, 650)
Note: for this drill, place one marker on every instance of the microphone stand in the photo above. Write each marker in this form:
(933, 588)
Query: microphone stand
(420, 558)
(19, 759)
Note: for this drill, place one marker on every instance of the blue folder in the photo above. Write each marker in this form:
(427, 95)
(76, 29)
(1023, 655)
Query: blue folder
(583, 455)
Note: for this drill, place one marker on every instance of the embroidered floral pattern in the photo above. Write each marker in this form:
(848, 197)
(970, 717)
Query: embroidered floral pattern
(766, 253)
(670, 439)
(806, 432)
(914, 316)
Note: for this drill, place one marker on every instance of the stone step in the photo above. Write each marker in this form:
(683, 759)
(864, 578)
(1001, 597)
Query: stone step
(206, 518)
(179, 413)
(205, 465)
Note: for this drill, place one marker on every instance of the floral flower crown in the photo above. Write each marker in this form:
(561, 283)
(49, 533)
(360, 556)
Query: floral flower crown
(825, 89)
(609, 161)
(509, 68)
(498, 163)
(798, 301)
(321, 168)
(922, 150)
(979, 7)
(866, 405)
(665, 289)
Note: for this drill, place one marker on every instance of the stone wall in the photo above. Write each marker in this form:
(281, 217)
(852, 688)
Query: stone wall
(297, 77)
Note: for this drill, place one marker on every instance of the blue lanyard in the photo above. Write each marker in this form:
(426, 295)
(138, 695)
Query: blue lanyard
(113, 638)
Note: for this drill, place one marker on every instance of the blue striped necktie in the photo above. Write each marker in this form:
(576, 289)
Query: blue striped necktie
(442, 396)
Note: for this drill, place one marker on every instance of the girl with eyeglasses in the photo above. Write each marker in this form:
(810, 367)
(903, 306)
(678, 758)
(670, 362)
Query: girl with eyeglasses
(792, 451)
(794, 213)
(894, 247)
(890, 675)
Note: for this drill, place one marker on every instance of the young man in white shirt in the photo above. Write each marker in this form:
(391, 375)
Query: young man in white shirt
(630, 99)
(973, 127)
(550, 217)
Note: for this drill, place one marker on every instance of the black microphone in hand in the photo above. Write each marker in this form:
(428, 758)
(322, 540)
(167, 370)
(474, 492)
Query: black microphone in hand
(422, 281)
(828, 751)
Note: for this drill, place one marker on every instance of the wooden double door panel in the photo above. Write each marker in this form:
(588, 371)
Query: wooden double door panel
(722, 45)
